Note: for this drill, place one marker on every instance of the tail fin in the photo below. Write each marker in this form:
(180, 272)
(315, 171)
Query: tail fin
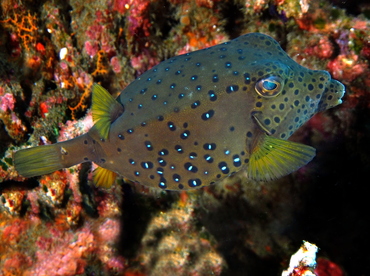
(38, 160)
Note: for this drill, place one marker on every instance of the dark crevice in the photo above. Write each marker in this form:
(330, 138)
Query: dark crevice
(233, 14)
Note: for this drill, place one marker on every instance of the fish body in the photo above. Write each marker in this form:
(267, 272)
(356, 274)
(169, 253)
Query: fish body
(194, 119)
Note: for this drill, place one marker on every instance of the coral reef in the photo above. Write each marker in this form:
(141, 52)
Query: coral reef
(51, 52)
(303, 262)
(31, 247)
(173, 244)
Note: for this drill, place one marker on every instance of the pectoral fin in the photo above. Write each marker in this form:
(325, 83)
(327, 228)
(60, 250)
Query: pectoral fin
(272, 158)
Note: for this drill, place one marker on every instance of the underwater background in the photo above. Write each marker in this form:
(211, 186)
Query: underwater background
(51, 52)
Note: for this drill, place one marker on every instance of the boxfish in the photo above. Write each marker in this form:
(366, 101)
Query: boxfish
(197, 118)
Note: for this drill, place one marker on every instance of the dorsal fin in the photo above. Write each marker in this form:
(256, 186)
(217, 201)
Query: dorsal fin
(105, 110)
(272, 158)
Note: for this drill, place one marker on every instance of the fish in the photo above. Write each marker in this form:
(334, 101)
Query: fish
(197, 118)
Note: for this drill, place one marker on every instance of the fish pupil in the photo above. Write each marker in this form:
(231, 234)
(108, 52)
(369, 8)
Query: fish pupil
(268, 85)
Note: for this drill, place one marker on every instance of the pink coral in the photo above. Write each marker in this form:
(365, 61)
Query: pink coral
(108, 231)
(99, 36)
(107, 234)
(121, 6)
(108, 206)
(33, 199)
(143, 62)
(15, 263)
(347, 67)
(91, 48)
(7, 102)
(65, 256)
(72, 129)
(94, 32)
(72, 179)
(138, 20)
(115, 63)
(323, 48)
(13, 232)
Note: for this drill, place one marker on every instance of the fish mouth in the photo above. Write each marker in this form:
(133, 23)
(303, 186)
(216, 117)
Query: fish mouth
(259, 123)
(332, 95)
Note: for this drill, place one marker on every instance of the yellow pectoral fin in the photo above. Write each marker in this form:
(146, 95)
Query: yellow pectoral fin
(105, 109)
(104, 178)
(272, 158)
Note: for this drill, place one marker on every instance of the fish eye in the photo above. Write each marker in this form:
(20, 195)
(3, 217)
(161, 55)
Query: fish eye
(269, 87)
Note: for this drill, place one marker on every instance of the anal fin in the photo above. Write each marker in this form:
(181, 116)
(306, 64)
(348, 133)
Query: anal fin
(104, 178)
(272, 158)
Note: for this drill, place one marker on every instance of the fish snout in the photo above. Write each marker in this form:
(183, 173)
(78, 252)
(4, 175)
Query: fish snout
(332, 95)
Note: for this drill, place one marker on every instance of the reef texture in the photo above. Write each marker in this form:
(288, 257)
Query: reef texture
(51, 52)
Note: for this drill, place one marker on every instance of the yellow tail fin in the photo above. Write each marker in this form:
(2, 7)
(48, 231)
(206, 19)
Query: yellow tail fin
(37, 161)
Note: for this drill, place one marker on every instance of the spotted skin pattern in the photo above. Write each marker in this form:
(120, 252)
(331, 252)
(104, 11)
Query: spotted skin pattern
(187, 121)
(194, 119)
